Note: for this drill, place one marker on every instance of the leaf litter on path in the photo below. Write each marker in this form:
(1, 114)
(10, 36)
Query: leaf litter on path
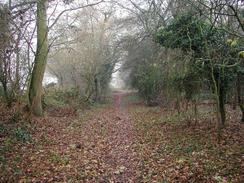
(123, 142)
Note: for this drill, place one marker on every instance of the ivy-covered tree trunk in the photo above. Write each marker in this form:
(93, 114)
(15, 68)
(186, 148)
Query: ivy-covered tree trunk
(240, 101)
(35, 89)
(5, 52)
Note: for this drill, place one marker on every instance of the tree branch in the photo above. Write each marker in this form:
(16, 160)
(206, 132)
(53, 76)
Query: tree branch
(22, 4)
(72, 9)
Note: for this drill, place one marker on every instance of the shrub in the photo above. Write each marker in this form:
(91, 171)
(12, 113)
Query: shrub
(21, 134)
(148, 81)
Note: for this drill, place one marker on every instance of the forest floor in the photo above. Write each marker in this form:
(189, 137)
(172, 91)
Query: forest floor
(124, 141)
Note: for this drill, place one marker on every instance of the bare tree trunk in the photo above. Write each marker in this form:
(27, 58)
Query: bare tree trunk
(177, 104)
(216, 95)
(222, 106)
(240, 101)
(195, 111)
(235, 100)
(16, 87)
(35, 89)
(96, 89)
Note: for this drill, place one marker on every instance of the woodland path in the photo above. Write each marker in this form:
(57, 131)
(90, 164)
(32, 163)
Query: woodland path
(120, 142)
(99, 145)
(117, 154)
(123, 140)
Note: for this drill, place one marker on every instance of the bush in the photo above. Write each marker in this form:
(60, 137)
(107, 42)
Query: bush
(148, 81)
(21, 134)
(61, 98)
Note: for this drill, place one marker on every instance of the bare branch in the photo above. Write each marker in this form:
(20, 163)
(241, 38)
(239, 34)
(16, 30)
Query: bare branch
(72, 9)
(23, 4)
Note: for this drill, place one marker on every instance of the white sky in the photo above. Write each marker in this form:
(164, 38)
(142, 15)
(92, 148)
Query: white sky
(117, 82)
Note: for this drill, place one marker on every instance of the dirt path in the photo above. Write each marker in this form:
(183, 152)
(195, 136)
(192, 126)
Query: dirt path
(120, 157)
(107, 140)
(112, 135)
(119, 143)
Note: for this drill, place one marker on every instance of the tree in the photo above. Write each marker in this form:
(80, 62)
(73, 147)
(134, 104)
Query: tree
(192, 33)
(145, 66)
(5, 50)
(35, 89)
(90, 50)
